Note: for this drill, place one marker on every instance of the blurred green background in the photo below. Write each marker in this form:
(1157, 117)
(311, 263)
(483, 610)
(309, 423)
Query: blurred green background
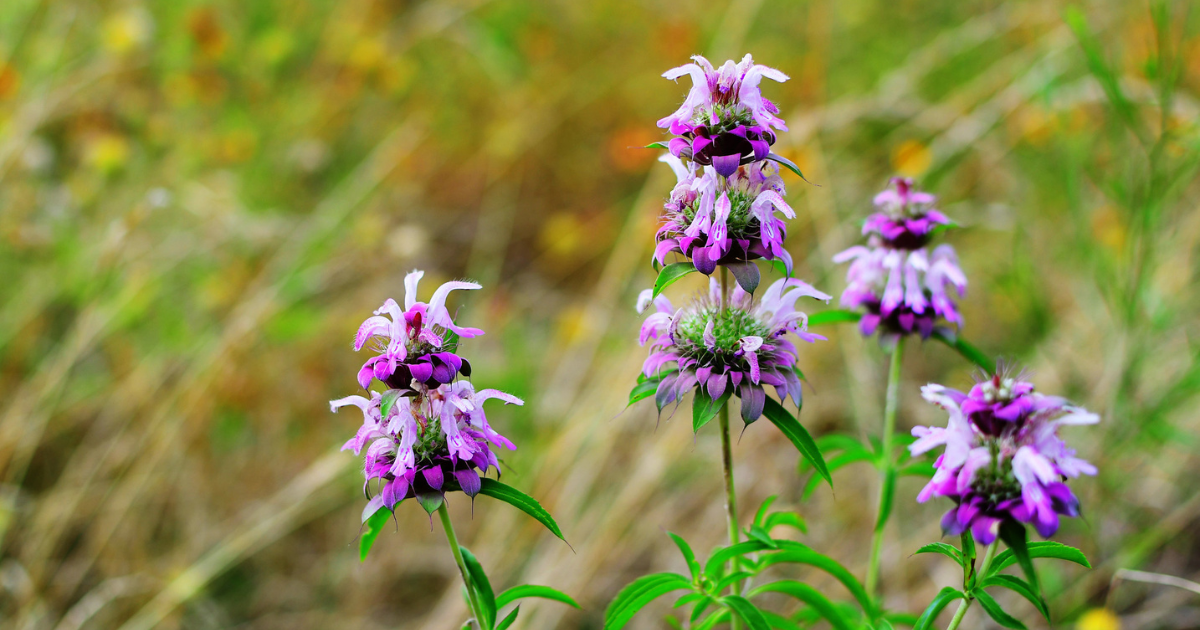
(200, 201)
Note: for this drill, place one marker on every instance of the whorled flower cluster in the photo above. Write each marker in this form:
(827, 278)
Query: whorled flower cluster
(717, 220)
(724, 121)
(741, 347)
(1003, 458)
(900, 286)
(427, 433)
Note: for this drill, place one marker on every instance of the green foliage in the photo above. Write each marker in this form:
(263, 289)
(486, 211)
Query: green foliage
(521, 501)
(799, 436)
(482, 588)
(530, 590)
(943, 598)
(373, 525)
(705, 408)
(671, 274)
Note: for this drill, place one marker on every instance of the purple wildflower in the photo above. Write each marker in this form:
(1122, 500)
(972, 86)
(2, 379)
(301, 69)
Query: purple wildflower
(718, 220)
(901, 287)
(740, 347)
(412, 343)
(432, 440)
(1003, 458)
(724, 121)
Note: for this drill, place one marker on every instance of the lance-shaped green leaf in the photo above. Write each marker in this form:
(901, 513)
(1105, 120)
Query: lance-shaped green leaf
(790, 165)
(374, 525)
(1020, 587)
(670, 274)
(521, 501)
(532, 590)
(721, 615)
(797, 553)
(657, 145)
(779, 622)
(799, 436)
(748, 612)
(705, 408)
(968, 351)
(945, 549)
(833, 316)
(1013, 534)
(943, 598)
(993, 609)
(781, 267)
(638, 594)
(1046, 549)
(715, 566)
(508, 621)
(809, 596)
(887, 498)
(482, 587)
(644, 389)
(688, 555)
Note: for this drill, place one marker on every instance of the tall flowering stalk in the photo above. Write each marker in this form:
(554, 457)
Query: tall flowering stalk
(899, 289)
(427, 435)
(1005, 466)
(726, 211)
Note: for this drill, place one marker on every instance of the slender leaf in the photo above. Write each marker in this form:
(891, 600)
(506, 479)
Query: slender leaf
(761, 514)
(374, 525)
(483, 588)
(943, 598)
(688, 554)
(508, 621)
(688, 598)
(781, 267)
(638, 594)
(388, 400)
(884, 624)
(945, 549)
(791, 519)
(968, 351)
(1013, 534)
(521, 501)
(716, 563)
(901, 618)
(670, 274)
(642, 390)
(791, 166)
(1020, 587)
(704, 408)
(808, 595)
(797, 553)
(887, 499)
(748, 612)
(799, 436)
(833, 316)
(728, 580)
(1046, 549)
(719, 616)
(533, 590)
(780, 622)
(657, 145)
(756, 532)
(993, 609)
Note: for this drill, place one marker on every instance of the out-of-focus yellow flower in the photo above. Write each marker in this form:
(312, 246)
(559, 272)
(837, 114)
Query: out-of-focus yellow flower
(571, 326)
(125, 31)
(1033, 125)
(1108, 229)
(562, 235)
(911, 158)
(274, 46)
(367, 54)
(106, 152)
(1098, 619)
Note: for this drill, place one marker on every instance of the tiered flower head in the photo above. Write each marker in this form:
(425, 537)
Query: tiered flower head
(724, 121)
(1004, 459)
(427, 433)
(900, 286)
(739, 348)
(716, 220)
(431, 441)
(412, 344)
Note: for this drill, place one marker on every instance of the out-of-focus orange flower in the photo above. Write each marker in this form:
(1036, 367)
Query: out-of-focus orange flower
(1098, 619)
(206, 31)
(626, 148)
(10, 80)
(911, 158)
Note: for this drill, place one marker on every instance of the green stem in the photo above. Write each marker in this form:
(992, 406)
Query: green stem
(966, 603)
(472, 598)
(889, 428)
(727, 468)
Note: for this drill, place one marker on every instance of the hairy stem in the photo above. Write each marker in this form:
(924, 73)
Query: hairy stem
(966, 603)
(472, 598)
(889, 428)
(727, 468)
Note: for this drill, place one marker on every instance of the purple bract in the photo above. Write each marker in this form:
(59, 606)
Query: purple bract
(717, 220)
(411, 342)
(1003, 458)
(899, 285)
(740, 348)
(724, 121)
